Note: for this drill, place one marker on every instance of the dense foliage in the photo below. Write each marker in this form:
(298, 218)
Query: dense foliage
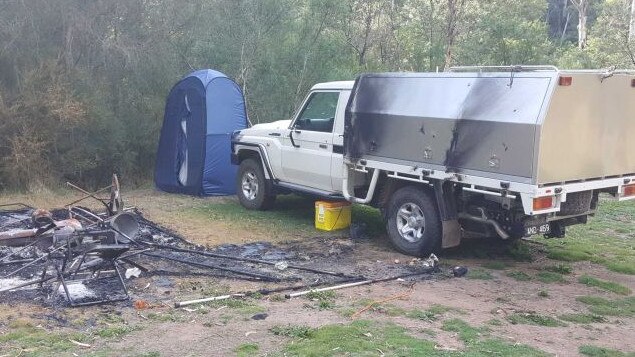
(83, 82)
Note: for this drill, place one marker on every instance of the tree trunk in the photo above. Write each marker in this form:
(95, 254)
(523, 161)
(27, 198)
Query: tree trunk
(631, 29)
(582, 30)
(451, 30)
(582, 6)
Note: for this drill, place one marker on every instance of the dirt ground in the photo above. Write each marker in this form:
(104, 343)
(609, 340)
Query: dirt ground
(490, 299)
(476, 301)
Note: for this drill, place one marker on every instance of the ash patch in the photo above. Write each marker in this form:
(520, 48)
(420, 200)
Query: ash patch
(162, 256)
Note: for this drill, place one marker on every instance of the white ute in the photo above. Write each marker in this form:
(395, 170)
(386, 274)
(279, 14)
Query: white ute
(479, 151)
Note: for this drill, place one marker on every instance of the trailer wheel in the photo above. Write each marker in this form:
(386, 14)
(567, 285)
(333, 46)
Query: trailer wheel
(413, 224)
(252, 189)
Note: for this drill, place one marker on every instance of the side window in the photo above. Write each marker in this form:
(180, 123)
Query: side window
(319, 112)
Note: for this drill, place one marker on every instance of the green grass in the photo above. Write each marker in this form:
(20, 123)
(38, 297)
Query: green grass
(167, 316)
(325, 299)
(582, 318)
(519, 251)
(242, 306)
(23, 339)
(466, 332)
(519, 275)
(372, 219)
(600, 306)
(293, 331)
(604, 285)
(605, 240)
(37, 341)
(543, 293)
(478, 343)
(531, 318)
(360, 338)
(564, 269)
(115, 331)
(291, 214)
(595, 351)
(495, 265)
(494, 322)
(430, 314)
(479, 274)
(366, 338)
(247, 350)
(550, 277)
(387, 309)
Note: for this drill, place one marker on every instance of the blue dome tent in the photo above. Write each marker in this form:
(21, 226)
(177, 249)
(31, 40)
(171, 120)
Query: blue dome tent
(201, 113)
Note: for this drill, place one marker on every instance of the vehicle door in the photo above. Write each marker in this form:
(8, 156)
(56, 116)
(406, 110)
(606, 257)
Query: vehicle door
(337, 160)
(308, 146)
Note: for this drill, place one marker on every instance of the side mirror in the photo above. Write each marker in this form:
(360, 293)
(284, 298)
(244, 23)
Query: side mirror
(291, 137)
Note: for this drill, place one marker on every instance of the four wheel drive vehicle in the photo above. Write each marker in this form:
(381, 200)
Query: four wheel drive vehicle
(478, 151)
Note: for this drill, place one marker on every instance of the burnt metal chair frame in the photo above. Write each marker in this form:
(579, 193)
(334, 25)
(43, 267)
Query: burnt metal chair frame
(109, 254)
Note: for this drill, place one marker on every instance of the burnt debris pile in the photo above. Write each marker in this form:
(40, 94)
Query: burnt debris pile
(76, 256)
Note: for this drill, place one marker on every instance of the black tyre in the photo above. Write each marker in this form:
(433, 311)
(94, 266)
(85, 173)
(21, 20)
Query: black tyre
(413, 222)
(252, 189)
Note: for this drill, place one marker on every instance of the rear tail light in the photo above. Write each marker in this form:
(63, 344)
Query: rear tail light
(543, 203)
(628, 190)
(565, 81)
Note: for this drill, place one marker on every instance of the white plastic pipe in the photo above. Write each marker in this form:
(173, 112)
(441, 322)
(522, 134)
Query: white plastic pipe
(200, 301)
(335, 287)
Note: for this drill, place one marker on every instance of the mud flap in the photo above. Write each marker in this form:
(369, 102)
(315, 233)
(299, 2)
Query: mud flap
(444, 193)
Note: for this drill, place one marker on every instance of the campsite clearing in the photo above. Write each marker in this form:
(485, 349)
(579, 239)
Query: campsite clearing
(489, 311)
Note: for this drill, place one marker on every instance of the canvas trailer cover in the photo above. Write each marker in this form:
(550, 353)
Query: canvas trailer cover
(536, 126)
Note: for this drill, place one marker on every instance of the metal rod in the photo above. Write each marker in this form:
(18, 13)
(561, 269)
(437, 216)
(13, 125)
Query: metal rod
(298, 287)
(88, 194)
(249, 293)
(33, 262)
(15, 261)
(350, 285)
(249, 260)
(135, 253)
(209, 266)
(200, 301)
(88, 213)
(503, 68)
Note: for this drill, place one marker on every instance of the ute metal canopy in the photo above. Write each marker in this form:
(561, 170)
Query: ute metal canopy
(530, 127)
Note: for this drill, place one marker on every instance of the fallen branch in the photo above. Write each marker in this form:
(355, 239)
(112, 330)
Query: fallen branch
(379, 302)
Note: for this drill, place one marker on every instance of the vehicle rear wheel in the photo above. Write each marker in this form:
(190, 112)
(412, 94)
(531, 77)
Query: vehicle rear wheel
(413, 224)
(252, 189)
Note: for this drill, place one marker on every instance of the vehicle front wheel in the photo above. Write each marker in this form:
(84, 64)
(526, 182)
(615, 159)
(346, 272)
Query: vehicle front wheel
(413, 224)
(252, 189)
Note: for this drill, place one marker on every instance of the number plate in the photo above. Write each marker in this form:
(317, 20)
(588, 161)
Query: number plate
(539, 229)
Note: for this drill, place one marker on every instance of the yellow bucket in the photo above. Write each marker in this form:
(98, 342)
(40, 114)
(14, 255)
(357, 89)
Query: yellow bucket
(331, 216)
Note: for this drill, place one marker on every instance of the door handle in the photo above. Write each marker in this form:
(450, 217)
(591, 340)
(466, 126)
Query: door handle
(324, 146)
(274, 134)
